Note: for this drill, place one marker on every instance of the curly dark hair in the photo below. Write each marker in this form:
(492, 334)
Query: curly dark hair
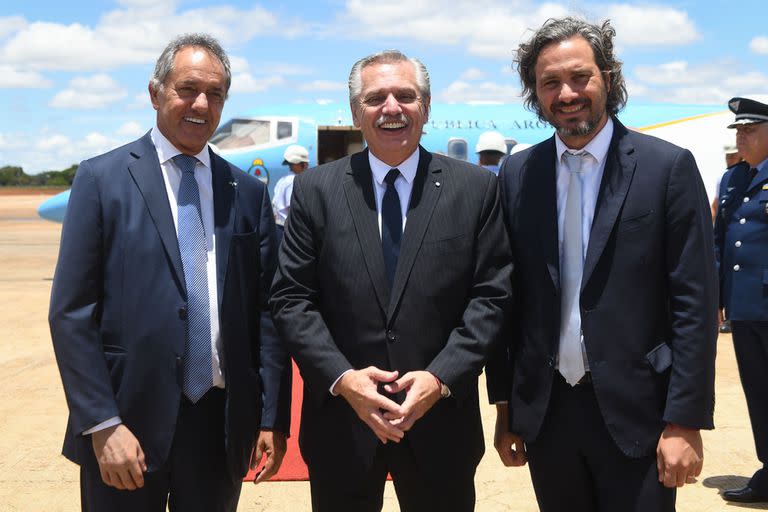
(554, 30)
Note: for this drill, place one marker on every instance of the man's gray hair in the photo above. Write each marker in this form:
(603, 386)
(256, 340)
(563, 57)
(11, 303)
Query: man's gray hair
(164, 64)
(387, 57)
(555, 30)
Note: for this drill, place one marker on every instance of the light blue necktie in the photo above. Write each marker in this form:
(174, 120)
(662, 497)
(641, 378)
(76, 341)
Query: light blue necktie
(197, 366)
(570, 356)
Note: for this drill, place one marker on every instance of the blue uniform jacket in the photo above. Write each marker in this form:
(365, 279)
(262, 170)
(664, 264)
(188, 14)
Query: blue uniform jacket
(741, 242)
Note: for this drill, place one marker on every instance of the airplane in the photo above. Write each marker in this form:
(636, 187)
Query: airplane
(255, 142)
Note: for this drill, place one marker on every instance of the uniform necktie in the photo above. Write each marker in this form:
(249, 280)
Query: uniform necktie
(197, 367)
(571, 359)
(391, 225)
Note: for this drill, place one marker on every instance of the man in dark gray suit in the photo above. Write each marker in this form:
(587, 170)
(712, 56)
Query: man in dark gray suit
(391, 284)
(607, 373)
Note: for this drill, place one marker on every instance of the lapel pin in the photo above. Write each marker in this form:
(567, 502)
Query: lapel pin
(233, 184)
(765, 187)
(437, 184)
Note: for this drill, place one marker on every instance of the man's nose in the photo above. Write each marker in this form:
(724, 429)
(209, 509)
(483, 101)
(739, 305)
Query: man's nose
(391, 105)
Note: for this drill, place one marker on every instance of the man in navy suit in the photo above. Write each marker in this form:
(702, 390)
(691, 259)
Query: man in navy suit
(607, 372)
(170, 365)
(741, 237)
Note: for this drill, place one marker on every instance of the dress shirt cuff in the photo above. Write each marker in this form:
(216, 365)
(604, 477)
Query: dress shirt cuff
(332, 389)
(111, 422)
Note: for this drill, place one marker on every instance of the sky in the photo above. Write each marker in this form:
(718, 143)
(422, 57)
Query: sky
(73, 75)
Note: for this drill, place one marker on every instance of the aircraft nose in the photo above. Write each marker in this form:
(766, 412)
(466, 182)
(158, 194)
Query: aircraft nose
(54, 207)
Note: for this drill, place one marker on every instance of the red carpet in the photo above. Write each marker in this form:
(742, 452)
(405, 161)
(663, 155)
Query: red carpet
(293, 467)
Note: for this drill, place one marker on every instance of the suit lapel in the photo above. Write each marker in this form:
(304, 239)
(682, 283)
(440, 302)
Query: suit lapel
(760, 177)
(424, 195)
(224, 211)
(358, 189)
(542, 174)
(148, 176)
(617, 175)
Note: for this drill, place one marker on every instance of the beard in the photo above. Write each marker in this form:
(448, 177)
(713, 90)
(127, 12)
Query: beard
(580, 129)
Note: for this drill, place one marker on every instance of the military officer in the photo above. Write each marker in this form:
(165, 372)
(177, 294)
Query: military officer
(741, 240)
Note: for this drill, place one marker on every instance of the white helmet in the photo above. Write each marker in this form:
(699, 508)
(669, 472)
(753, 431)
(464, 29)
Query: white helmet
(491, 141)
(519, 147)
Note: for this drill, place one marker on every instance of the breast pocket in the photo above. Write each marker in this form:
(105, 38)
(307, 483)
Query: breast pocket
(449, 244)
(635, 222)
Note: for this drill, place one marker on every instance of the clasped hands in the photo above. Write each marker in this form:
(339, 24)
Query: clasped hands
(389, 420)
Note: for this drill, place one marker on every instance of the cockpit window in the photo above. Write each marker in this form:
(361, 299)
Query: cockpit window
(284, 130)
(457, 148)
(241, 133)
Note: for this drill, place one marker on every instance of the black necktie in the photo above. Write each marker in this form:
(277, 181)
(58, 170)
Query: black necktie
(391, 225)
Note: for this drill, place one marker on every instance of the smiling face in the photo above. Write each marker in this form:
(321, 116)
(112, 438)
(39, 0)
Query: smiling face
(390, 111)
(571, 90)
(190, 102)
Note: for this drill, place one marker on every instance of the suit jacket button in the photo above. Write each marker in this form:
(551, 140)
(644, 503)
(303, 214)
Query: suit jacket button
(183, 313)
(391, 336)
(551, 362)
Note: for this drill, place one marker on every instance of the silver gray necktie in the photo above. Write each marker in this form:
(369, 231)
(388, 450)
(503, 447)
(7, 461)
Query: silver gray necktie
(570, 357)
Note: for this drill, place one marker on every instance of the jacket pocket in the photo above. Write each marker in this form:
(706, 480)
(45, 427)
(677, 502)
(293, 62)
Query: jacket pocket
(660, 358)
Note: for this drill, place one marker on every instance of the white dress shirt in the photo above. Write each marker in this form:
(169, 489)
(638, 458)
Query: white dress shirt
(404, 187)
(403, 183)
(172, 179)
(281, 204)
(592, 167)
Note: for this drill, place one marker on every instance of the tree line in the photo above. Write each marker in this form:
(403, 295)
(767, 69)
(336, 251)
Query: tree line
(12, 176)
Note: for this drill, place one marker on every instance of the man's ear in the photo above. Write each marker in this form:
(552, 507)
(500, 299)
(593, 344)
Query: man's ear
(153, 96)
(355, 115)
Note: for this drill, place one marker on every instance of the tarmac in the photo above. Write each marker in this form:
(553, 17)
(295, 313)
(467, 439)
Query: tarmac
(34, 476)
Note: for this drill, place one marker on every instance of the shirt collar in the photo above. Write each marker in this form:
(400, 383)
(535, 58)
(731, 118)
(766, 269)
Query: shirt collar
(166, 151)
(597, 147)
(407, 168)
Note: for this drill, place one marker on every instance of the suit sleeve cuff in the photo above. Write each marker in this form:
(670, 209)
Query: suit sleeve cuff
(111, 422)
(332, 389)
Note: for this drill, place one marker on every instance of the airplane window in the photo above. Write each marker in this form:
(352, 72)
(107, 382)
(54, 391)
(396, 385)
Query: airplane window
(457, 148)
(284, 130)
(241, 133)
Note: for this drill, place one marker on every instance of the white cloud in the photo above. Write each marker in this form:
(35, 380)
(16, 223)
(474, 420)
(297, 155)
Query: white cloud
(324, 101)
(134, 34)
(649, 25)
(678, 73)
(44, 151)
(11, 24)
(92, 92)
(472, 74)
(487, 28)
(323, 86)
(11, 78)
(681, 82)
(238, 64)
(494, 28)
(484, 92)
(56, 141)
(246, 83)
(131, 129)
(759, 44)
